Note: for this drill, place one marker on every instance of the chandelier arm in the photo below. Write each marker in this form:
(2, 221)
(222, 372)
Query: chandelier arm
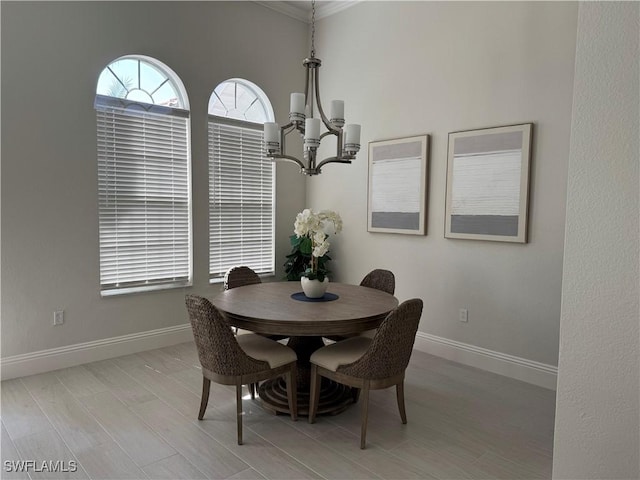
(290, 127)
(289, 158)
(339, 141)
(325, 120)
(328, 132)
(283, 138)
(333, 160)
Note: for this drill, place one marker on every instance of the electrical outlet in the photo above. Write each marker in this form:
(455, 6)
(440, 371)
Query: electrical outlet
(463, 315)
(58, 317)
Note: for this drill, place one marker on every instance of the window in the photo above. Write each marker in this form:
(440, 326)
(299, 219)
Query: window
(241, 180)
(143, 177)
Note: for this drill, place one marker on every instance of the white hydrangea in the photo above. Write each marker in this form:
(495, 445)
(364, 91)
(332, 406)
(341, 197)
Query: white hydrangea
(320, 249)
(306, 223)
(311, 224)
(333, 217)
(319, 237)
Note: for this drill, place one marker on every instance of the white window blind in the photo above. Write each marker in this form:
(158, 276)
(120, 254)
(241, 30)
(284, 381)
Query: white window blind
(241, 198)
(144, 195)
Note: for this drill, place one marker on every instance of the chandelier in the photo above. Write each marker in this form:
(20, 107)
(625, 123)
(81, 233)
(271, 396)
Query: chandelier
(301, 119)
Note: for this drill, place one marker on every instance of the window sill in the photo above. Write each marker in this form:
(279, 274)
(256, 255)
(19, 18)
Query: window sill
(143, 289)
(213, 281)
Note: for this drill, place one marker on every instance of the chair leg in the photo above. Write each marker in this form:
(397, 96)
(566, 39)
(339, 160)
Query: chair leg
(355, 394)
(206, 384)
(314, 395)
(239, 410)
(400, 395)
(365, 414)
(252, 390)
(292, 394)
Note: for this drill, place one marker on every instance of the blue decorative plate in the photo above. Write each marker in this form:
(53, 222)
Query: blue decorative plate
(327, 297)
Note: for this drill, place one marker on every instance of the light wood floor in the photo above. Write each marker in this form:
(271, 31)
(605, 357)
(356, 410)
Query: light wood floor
(135, 417)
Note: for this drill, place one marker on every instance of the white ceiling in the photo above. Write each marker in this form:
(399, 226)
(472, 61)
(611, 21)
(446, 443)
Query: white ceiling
(301, 10)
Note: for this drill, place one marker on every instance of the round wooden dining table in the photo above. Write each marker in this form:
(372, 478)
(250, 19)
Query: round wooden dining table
(280, 308)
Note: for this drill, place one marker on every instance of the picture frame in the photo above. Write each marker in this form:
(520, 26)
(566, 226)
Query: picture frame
(397, 188)
(488, 183)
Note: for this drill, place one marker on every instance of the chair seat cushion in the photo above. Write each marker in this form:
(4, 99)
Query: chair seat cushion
(244, 332)
(369, 333)
(261, 348)
(340, 353)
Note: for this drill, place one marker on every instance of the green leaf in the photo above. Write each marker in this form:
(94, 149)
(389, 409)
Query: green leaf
(299, 260)
(310, 274)
(306, 245)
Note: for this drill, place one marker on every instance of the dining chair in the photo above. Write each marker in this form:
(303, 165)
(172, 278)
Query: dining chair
(237, 360)
(238, 277)
(370, 363)
(379, 279)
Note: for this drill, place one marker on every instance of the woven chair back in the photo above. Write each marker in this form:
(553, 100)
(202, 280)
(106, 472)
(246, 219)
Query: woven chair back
(381, 280)
(239, 276)
(217, 347)
(391, 347)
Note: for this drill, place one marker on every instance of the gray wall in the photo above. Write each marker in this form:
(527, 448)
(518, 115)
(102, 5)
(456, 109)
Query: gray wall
(408, 68)
(52, 54)
(597, 413)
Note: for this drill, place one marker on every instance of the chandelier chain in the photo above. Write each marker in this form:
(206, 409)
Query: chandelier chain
(313, 28)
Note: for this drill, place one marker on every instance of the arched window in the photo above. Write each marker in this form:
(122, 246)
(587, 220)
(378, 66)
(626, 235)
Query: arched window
(143, 177)
(241, 180)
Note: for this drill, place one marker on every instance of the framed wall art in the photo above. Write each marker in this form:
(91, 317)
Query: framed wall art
(398, 185)
(488, 183)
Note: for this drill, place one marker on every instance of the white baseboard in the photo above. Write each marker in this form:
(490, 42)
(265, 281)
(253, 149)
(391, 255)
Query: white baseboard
(519, 368)
(71, 355)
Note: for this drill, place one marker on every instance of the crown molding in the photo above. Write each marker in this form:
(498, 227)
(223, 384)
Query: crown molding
(303, 13)
(325, 9)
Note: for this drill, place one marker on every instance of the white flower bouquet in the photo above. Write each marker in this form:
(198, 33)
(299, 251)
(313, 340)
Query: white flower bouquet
(310, 244)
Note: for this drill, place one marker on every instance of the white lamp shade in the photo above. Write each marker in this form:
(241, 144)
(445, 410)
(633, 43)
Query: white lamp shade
(352, 134)
(271, 132)
(337, 109)
(297, 103)
(312, 129)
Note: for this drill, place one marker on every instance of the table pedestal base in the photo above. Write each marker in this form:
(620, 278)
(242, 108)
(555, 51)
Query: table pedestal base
(334, 397)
